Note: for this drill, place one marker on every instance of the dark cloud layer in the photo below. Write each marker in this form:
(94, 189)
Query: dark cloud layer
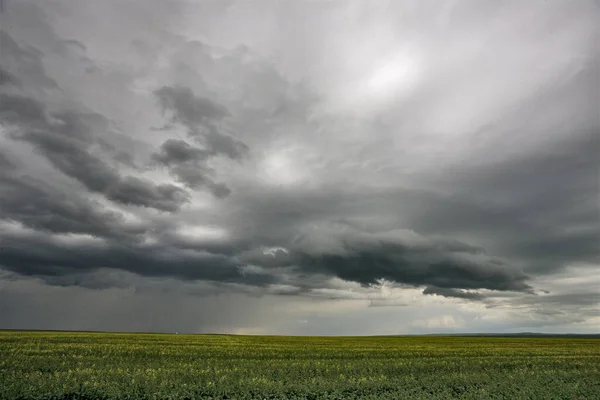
(65, 143)
(234, 150)
(39, 206)
(397, 256)
(446, 292)
(200, 116)
(52, 260)
(175, 151)
(188, 165)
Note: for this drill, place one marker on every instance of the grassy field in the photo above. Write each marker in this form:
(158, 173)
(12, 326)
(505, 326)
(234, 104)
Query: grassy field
(56, 365)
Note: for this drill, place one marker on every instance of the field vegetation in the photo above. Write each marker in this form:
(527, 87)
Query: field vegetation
(67, 365)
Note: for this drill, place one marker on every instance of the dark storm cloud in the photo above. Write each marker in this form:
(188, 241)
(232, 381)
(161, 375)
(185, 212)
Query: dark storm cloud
(404, 257)
(448, 292)
(66, 141)
(550, 198)
(200, 116)
(196, 177)
(15, 109)
(38, 255)
(188, 165)
(131, 190)
(41, 207)
(175, 151)
(65, 137)
(188, 109)
(400, 256)
(363, 257)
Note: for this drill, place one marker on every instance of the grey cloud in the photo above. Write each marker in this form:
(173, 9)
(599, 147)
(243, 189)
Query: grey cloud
(140, 192)
(363, 257)
(80, 126)
(289, 213)
(200, 116)
(40, 35)
(190, 174)
(120, 148)
(582, 299)
(549, 198)
(73, 160)
(195, 177)
(97, 176)
(39, 206)
(175, 151)
(125, 159)
(453, 272)
(398, 256)
(188, 109)
(224, 144)
(7, 162)
(268, 258)
(263, 103)
(24, 61)
(76, 43)
(21, 110)
(188, 165)
(36, 255)
(551, 309)
(448, 292)
(386, 303)
(65, 137)
(66, 145)
(6, 78)
(350, 252)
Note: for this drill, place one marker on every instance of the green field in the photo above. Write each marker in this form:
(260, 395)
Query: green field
(57, 365)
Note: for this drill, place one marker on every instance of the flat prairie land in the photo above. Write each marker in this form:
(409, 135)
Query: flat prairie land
(72, 365)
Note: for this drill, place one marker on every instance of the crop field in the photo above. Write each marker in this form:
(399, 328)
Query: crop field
(66, 365)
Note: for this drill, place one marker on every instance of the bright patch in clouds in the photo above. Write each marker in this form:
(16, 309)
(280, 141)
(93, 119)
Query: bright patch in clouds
(196, 233)
(282, 167)
(395, 75)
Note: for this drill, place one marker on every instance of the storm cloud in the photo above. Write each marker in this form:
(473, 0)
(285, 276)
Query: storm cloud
(200, 116)
(307, 163)
(65, 143)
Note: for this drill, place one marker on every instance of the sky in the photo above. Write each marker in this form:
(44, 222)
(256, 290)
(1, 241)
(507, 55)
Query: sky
(300, 167)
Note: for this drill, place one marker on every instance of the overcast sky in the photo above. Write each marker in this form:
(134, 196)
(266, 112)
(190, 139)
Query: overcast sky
(300, 167)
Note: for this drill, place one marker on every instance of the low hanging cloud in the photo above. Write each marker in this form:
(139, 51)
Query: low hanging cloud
(449, 292)
(37, 205)
(400, 256)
